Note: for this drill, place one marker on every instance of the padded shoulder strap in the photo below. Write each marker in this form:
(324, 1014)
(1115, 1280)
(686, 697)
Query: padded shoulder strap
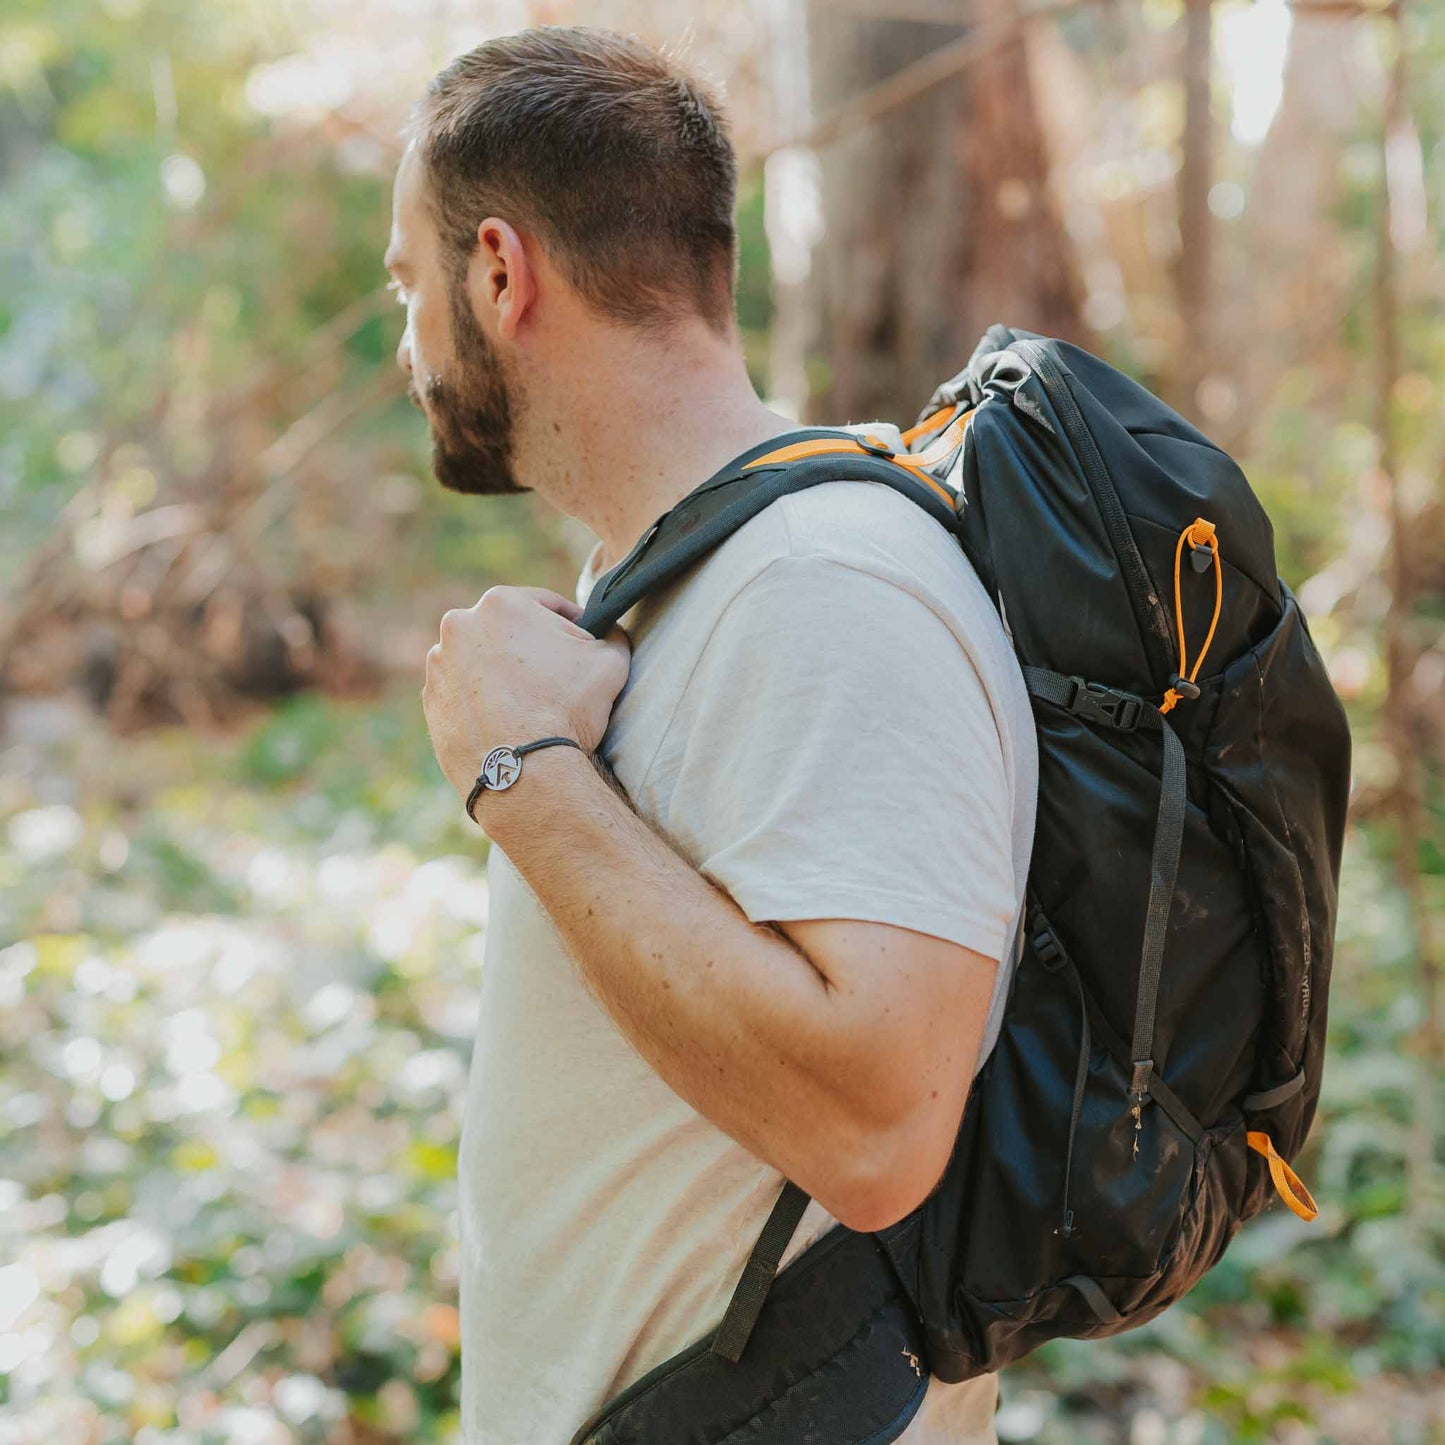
(712, 512)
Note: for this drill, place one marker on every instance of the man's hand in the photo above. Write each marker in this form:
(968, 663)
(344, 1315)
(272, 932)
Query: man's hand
(515, 667)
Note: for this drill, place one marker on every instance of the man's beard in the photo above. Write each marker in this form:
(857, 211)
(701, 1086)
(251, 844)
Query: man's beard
(472, 414)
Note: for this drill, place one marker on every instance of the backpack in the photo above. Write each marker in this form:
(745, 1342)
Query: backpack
(1161, 1050)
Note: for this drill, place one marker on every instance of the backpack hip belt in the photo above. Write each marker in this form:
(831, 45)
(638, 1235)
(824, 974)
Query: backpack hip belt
(836, 1358)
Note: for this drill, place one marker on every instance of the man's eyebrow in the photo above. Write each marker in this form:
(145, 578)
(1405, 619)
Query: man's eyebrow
(394, 264)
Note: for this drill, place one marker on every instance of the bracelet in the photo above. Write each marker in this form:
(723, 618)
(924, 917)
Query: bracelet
(503, 766)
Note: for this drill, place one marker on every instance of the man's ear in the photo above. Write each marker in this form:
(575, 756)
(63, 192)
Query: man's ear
(502, 277)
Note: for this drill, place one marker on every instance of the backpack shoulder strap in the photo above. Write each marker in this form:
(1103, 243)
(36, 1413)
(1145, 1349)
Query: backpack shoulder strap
(712, 512)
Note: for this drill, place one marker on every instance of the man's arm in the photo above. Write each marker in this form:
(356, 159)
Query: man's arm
(841, 1054)
(818, 775)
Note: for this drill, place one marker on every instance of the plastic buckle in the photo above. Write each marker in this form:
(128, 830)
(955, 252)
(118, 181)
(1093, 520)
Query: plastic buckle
(1097, 703)
(1048, 950)
(873, 447)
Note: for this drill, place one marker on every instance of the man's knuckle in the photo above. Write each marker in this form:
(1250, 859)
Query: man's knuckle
(451, 621)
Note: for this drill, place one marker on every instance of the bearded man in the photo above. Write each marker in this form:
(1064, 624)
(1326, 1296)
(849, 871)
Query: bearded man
(778, 949)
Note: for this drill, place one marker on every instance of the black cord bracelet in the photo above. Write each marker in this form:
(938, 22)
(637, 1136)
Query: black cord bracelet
(503, 766)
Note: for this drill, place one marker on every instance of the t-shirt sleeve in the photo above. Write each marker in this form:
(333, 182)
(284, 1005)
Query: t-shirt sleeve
(838, 758)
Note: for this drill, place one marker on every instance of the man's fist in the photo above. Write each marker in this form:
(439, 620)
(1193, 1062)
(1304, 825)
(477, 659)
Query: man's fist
(513, 668)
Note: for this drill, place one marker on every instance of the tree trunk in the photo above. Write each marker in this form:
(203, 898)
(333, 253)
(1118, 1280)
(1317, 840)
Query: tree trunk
(938, 219)
(1286, 281)
(1196, 231)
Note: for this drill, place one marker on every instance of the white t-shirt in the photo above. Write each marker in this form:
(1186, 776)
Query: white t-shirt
(827, 720)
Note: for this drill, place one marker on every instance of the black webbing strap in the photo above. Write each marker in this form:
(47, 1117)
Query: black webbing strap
(1093, 701)
(1272, 1098)
(1174, 1106)
(1095, 1298)
(1053, 687)
(747, 1302)
(1103, 1030)
(1112, 707)
(1053, 956)
(1163, 870)
(1081, 1080)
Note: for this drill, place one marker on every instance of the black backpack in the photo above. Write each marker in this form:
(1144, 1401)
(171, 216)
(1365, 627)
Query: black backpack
(1161, 1050)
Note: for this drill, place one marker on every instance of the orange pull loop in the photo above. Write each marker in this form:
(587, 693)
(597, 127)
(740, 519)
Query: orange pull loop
(1199, 533)
(926, 425)
(1286, 1181)
(943, 445)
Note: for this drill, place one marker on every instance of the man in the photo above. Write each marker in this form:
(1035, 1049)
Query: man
(778, 955)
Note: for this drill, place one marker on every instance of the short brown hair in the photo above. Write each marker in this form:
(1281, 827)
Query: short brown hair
(615, 157)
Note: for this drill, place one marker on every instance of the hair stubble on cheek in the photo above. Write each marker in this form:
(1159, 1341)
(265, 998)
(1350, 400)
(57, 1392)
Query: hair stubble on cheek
(473, 414)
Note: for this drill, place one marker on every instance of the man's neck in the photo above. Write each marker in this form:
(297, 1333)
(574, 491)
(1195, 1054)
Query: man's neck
(640, 427)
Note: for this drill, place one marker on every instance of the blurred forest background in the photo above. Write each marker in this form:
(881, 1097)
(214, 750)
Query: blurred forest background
(240, 916)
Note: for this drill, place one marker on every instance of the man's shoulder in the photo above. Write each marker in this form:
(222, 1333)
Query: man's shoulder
(874, 530)
(835, 540)
(853, 518)
(864, 528)
(878, 534)
(829, 545)
(867, 523)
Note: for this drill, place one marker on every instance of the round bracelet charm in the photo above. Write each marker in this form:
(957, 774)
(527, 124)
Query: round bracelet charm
(500, 769)
(503, 766)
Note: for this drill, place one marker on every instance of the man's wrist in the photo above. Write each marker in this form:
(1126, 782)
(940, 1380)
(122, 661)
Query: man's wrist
(502, 765)
(533, 794)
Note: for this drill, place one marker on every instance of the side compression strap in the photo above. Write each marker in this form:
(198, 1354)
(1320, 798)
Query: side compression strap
(1272, 1098)
(752, 1289)
(1117, 1049)
(1163, 870)
(1112, 707)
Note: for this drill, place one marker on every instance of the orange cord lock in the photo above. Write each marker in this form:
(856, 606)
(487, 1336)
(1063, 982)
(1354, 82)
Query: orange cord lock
(1199, 534)
(1286, 1181)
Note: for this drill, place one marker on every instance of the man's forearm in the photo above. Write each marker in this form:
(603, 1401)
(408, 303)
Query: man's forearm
(730, 1014)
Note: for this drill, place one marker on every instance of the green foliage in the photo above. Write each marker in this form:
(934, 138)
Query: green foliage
(755, 295)
(238, 976)
(235, 1033)
(170, 275)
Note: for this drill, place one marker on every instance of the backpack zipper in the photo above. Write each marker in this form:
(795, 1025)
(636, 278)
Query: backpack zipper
(1149, 612)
